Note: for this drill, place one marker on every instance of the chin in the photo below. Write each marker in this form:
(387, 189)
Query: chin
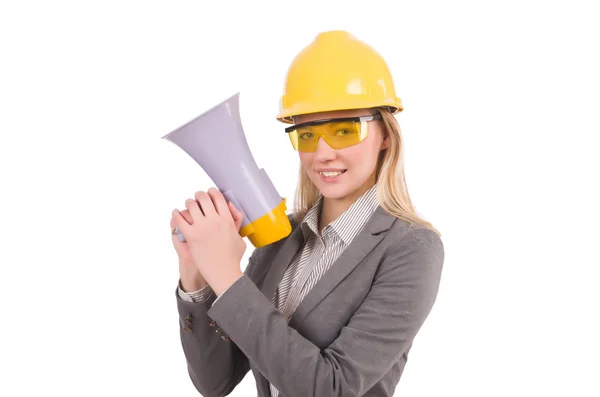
(334, 194)
(331, 191)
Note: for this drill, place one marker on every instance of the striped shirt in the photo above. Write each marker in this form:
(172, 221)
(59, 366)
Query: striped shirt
(318, 254)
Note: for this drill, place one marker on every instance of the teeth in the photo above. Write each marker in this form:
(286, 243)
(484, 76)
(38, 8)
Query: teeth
(330, 173)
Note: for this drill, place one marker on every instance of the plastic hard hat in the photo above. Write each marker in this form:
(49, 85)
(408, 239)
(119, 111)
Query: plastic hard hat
(335, 72)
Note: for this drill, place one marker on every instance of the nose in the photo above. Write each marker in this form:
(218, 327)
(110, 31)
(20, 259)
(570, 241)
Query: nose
(324, 151)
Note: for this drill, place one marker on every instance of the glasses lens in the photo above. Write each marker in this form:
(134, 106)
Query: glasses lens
(337, 134)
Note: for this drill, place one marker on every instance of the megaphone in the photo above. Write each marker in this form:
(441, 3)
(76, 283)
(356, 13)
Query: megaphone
(216, 141)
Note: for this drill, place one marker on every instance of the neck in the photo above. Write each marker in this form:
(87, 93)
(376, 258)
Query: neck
(333, 208)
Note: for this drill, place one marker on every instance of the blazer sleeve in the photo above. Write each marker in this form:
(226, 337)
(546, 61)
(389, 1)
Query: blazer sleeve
(214, 363)
(381, 330)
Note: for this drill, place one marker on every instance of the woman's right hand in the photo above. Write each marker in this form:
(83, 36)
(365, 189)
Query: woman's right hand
(191, 279)
(190, 276)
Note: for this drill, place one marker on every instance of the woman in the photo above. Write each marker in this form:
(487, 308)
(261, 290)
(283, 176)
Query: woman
(332, 309)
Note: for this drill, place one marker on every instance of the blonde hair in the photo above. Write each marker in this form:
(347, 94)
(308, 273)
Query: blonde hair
(392, 191)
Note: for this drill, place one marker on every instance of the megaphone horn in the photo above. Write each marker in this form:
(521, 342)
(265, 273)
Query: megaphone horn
(216, 141)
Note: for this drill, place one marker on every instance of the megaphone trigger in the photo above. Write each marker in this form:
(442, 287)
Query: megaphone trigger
(177, 232)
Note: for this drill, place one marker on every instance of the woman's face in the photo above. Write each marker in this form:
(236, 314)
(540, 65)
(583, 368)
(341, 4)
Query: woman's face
(353, 167)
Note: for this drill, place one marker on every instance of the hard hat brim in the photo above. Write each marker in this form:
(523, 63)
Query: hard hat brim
(285, 116)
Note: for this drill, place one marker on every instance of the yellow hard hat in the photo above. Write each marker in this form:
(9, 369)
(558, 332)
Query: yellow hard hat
(335, 72)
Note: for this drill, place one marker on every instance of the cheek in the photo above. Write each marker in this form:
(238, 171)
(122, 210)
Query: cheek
(361, 156)
(306, 159)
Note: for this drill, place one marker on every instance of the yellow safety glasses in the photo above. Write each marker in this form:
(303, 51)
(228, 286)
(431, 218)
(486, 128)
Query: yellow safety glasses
(338, 133)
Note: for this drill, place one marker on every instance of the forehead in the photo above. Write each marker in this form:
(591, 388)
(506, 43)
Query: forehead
(333, 115)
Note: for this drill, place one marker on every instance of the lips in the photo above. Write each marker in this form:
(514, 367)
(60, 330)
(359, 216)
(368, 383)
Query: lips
(330, 173)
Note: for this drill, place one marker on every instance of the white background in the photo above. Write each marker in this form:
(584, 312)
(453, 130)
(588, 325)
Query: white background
(501, 125)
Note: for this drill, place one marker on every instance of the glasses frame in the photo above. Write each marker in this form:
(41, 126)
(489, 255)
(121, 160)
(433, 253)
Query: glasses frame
(341, 119)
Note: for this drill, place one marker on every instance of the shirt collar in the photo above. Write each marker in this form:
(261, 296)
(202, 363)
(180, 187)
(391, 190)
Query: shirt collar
(347, 225)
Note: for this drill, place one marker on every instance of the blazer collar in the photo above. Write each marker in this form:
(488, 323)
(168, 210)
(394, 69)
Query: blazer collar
(366, 240)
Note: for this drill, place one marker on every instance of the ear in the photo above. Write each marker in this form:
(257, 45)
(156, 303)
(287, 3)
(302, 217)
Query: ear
(385, 143)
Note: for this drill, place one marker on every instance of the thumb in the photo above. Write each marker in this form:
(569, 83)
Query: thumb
(237, 215)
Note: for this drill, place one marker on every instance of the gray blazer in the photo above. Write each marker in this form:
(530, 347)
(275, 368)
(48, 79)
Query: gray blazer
(351, 334)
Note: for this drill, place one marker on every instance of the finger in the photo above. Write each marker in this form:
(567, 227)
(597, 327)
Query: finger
(180, 222)
(206, 204)
(185, 214)
(219, 201)
(237, 215)
(194, 210)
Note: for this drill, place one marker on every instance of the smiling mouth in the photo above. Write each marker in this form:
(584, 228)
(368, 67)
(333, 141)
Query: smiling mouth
(330, 174)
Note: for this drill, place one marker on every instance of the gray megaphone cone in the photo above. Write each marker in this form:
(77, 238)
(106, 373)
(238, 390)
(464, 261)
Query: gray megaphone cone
(216, 141)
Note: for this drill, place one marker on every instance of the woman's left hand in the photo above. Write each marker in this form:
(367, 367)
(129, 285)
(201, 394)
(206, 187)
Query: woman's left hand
(213, 238)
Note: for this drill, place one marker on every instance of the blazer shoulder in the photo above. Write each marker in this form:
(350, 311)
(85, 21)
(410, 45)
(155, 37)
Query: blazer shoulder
(413, 256)
(405, 236)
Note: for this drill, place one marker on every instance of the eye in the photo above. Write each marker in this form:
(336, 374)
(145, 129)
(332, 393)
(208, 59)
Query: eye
(344, 132)
(305, 135)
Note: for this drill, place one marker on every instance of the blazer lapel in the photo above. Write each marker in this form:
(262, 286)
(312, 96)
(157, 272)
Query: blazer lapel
(280, 263)
(363, 243)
